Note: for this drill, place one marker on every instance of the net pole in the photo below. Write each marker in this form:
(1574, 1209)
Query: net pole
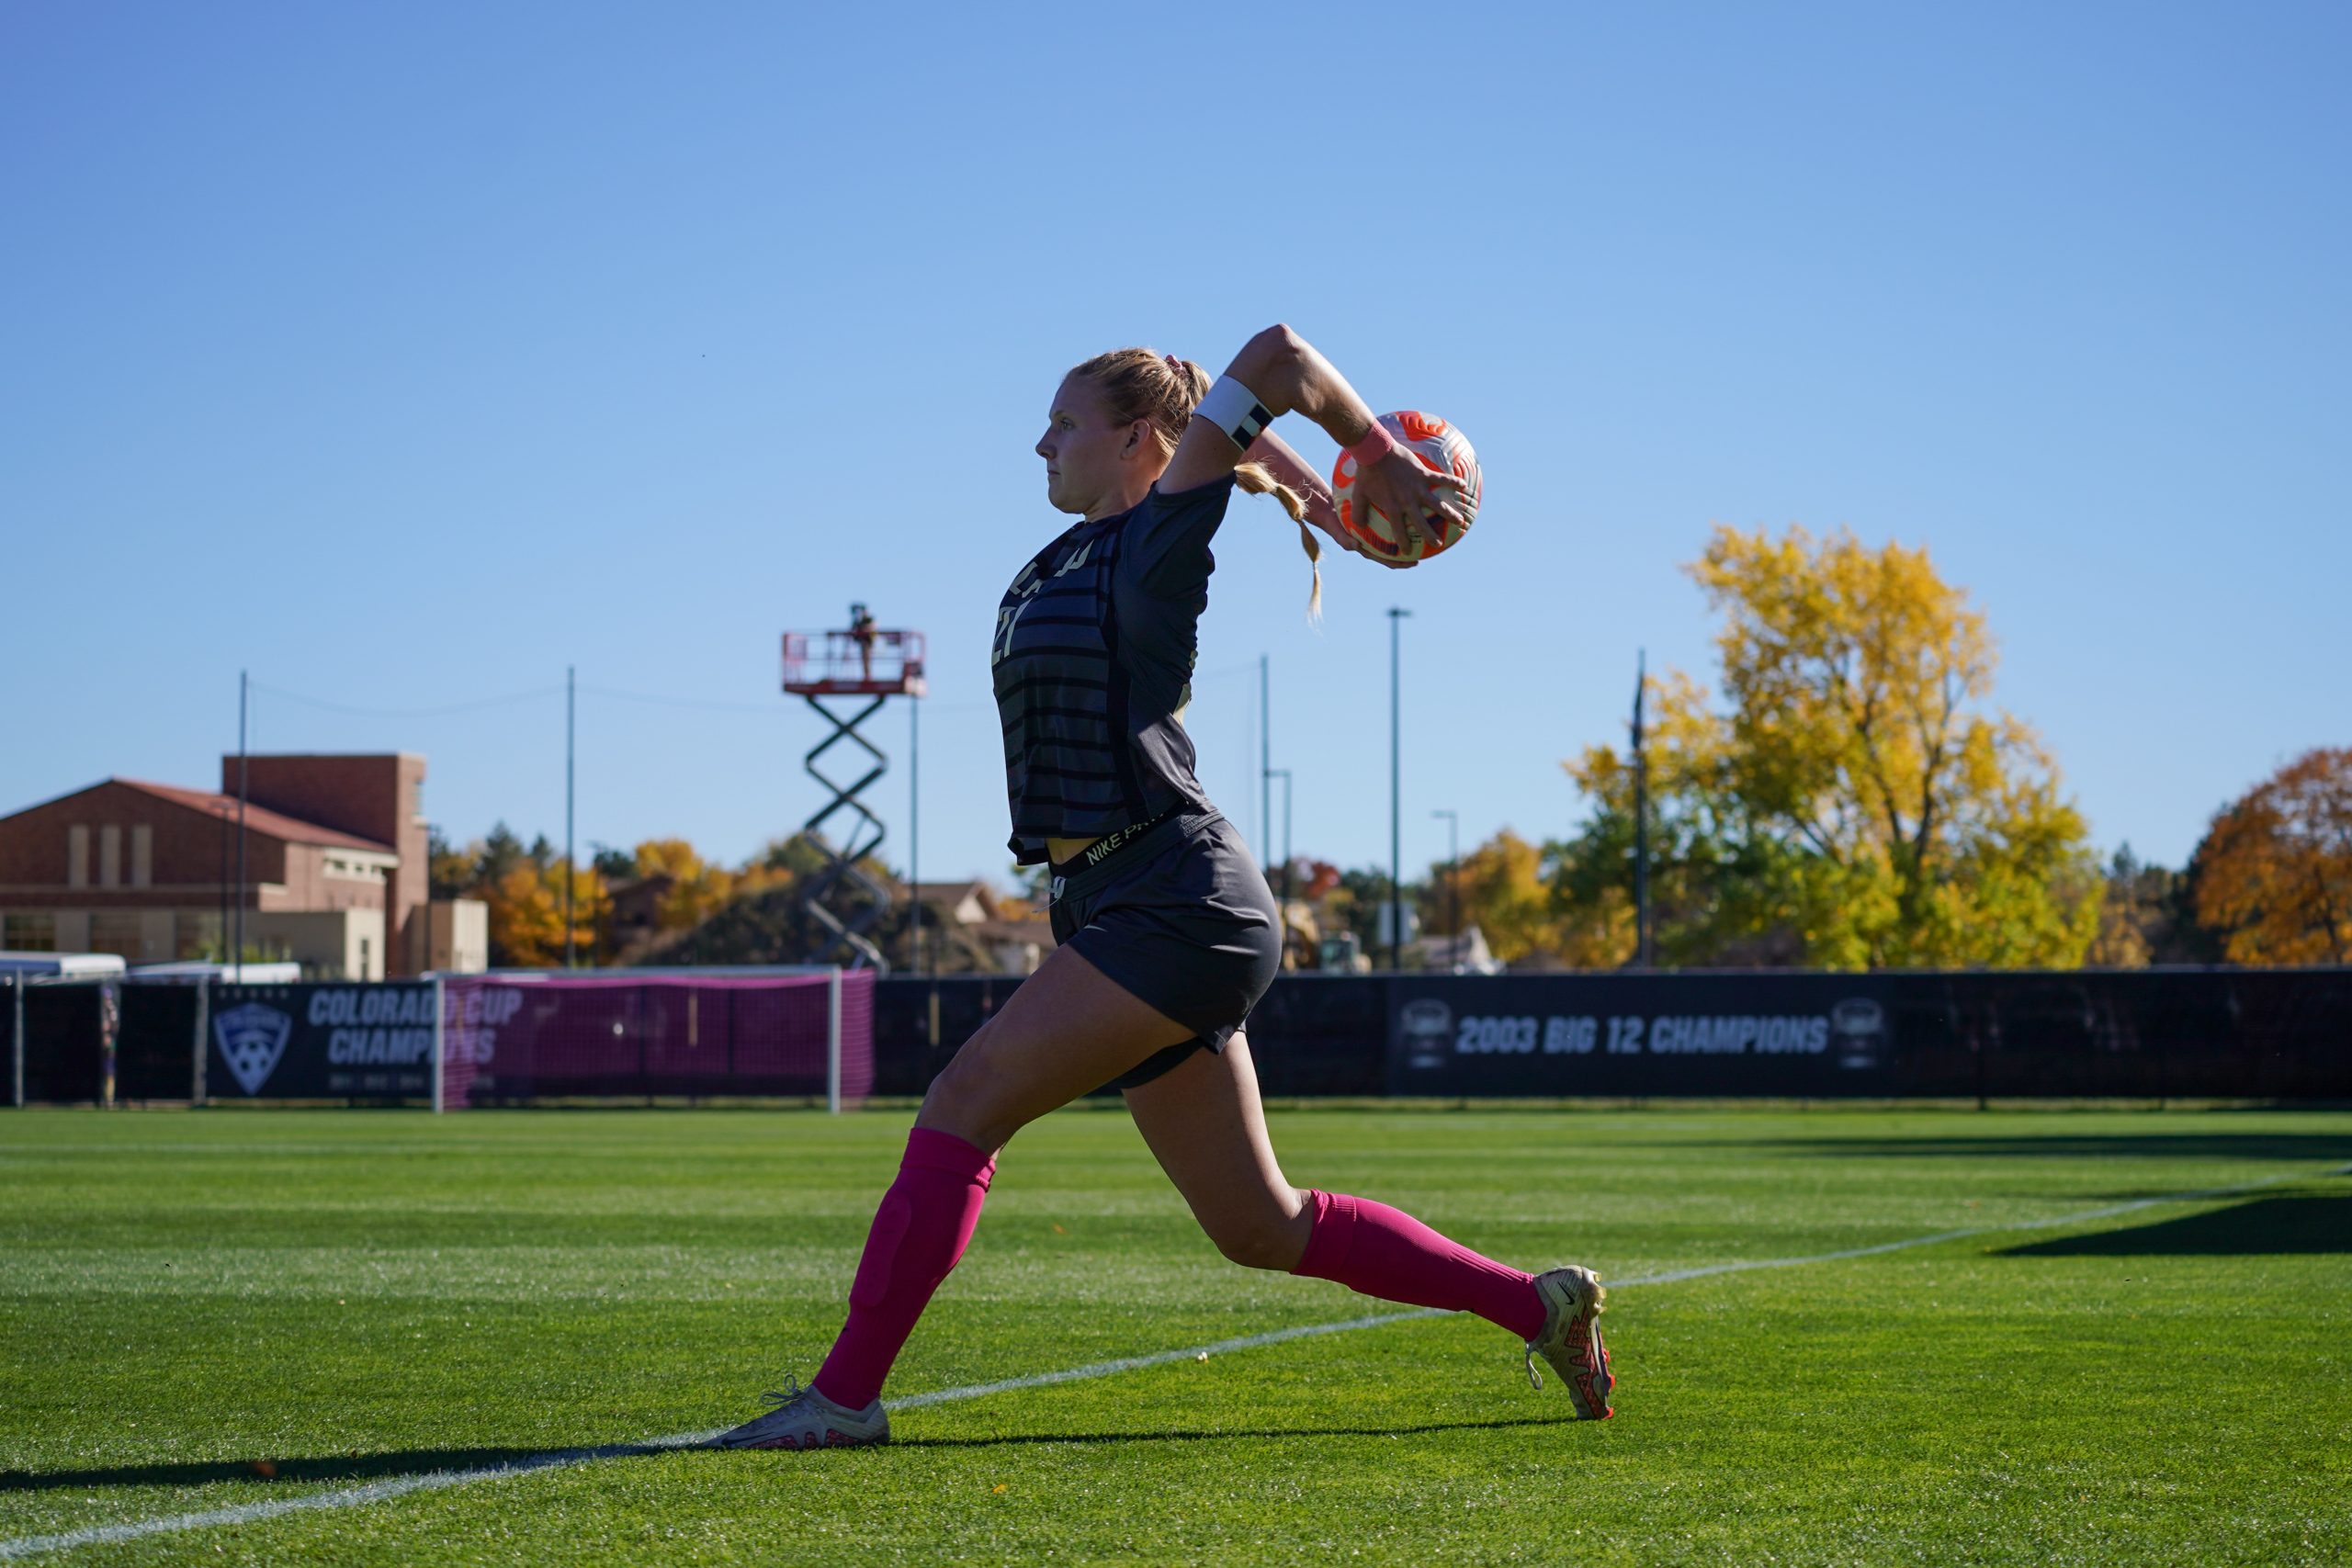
(16, 1039)
(833, 1041)
(439, 1081)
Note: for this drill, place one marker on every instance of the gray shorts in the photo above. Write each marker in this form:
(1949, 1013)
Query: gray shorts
(1179, 917)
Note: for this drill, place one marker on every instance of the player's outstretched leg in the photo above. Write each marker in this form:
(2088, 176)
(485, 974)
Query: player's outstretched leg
(1380, 1251)
(1066, 1030)
(918, 1232)
(1205, 1125)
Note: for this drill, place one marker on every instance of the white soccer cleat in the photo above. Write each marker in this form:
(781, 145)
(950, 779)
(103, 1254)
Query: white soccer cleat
(803, 1418)
(1572, 1301)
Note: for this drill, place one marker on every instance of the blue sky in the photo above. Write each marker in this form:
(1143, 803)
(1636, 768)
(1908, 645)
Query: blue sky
(405, 355)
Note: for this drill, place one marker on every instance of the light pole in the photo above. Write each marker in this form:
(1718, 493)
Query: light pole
(914, 828)
(425, 965)
(570, 872)
(241, 781)
(1452, 889)
(1395, 822)
(1283, 774)
(223, 814)
(1265, 754)
(1642, 955)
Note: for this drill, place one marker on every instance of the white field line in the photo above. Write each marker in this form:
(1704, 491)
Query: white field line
(432, 1481)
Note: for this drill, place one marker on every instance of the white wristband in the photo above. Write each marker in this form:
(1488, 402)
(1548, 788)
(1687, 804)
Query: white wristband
(1235, 408)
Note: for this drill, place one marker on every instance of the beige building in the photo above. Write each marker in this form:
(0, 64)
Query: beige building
(333, 859)
(997, 933)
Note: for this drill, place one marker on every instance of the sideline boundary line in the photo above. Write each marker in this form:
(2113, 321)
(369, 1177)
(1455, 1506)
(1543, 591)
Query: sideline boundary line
(554, 1459)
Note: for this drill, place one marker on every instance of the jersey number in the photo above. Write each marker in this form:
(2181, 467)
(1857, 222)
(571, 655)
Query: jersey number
(1005, 620)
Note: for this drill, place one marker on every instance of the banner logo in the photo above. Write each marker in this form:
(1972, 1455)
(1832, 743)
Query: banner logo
(251, 1039)
(1426, 1023)
(1859, 1025)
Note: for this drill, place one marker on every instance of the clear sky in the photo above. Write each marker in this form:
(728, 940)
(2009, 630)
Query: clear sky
(405, 354)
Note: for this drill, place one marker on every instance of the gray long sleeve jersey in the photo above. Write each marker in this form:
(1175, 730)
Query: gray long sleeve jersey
(1093, 664)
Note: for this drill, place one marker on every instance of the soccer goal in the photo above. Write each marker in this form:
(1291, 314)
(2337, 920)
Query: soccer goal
(614, 1033)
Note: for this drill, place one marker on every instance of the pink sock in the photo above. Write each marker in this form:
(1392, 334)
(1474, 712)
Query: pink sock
(1380, 1251)
(918, 1232)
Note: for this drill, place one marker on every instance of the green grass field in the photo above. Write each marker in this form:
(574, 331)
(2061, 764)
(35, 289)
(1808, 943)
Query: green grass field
(203, 1311)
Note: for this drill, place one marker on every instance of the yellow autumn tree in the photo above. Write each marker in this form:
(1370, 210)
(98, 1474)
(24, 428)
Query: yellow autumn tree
(1853, 802)
(2274, 875)
(527, 915)
(698, 887)
(1499, 888)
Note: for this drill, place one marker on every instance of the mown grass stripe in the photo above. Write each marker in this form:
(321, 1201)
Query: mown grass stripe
(402, 1486)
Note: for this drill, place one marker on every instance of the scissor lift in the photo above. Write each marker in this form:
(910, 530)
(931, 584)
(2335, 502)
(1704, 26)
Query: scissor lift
(870, 667)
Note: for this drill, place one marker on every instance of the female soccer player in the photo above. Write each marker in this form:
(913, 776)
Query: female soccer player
(1168, 933)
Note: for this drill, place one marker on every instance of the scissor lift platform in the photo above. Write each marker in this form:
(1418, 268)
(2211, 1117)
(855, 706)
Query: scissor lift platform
(877, 666)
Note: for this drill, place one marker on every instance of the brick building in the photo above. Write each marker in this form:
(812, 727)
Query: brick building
(334, 870)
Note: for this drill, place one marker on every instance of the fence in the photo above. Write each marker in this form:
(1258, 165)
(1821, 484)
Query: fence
(2156, 1033)
(478, 1040)
(2233, 1034)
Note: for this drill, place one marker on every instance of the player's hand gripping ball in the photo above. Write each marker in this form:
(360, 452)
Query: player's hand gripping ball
(1438, 447)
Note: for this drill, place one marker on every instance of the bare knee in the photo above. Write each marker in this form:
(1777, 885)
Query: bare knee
(970, 1101)
(1273, 1236)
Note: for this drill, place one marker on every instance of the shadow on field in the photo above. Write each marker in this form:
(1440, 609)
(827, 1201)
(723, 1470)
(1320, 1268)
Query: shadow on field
(419, 1462)
(2264, 1227)
(347, 1467)
(2251, 1145)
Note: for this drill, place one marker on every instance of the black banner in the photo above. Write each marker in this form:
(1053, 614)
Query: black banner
(2258, 1033)
(321, 1042)
(1798, 1035)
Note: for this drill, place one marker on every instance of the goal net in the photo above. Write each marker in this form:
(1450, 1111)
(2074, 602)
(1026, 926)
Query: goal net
(615, 1033)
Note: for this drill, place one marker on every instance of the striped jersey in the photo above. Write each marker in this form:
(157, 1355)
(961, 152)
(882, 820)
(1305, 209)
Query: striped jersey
(1094, 665)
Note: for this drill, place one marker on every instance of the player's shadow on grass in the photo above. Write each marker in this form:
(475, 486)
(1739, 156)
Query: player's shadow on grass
(343, 1467)
(419, 1462)
(2262, 1227)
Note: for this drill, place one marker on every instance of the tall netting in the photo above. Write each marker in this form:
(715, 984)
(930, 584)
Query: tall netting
(514, 1037)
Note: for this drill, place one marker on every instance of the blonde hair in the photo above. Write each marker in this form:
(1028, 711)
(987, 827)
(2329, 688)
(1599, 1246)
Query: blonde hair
(1138, 383)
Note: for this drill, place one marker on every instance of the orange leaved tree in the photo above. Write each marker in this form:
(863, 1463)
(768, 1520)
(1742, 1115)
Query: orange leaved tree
(2274, 875)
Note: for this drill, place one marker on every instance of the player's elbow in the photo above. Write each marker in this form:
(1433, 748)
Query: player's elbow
(1272, 364)
(1279, 347)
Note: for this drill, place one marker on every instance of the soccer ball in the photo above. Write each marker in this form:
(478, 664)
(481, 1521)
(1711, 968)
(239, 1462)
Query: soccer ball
(1441, 448)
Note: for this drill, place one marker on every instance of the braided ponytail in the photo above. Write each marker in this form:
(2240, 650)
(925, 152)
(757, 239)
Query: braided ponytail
(1138, 384)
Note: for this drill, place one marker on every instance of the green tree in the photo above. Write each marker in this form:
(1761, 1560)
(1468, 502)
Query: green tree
(1362, 895)
(499, 854)
(2147, 915)
(1854, 804)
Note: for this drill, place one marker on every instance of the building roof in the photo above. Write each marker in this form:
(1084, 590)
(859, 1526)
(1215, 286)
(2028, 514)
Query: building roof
(259, 818)
(951, 892)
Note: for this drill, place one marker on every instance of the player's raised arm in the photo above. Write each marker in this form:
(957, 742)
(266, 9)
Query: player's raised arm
(1279, 372)
(1318, 506)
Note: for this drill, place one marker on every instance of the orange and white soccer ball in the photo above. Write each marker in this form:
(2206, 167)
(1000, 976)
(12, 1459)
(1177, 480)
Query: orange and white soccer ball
(1440, 447)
